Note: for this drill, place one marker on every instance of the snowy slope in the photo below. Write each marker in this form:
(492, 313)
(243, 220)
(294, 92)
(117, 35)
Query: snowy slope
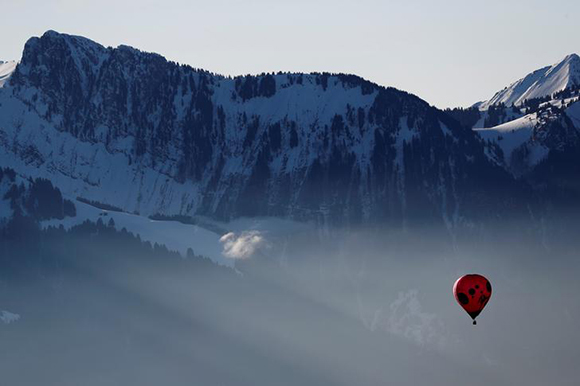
(177, 236)
(520, 137)
(510, 115)
(573, 112)
(130, 129)
(6, 69)
(539, 83)
(531, 138)
(174, 235)
(514, 134)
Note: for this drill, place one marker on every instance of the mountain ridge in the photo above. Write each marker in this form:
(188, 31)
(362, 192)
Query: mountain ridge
(136, 131)
(539, 83)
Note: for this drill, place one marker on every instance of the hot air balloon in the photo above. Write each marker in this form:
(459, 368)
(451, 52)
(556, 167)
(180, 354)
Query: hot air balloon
(472, 292)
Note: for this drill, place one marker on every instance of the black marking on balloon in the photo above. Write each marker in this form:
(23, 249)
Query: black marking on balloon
(477, 286)
(488, 285)
(471, 292)
(483, 299)
(474, 314)
(463, 299)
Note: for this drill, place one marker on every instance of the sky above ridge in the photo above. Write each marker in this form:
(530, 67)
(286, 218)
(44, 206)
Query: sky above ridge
(450, 53)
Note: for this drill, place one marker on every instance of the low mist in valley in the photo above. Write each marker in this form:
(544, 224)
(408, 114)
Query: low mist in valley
(358, 306)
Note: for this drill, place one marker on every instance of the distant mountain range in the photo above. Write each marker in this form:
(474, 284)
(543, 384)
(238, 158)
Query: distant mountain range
(130, 129)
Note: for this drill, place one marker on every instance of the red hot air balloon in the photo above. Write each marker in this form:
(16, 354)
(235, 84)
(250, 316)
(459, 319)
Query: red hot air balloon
(472, 292)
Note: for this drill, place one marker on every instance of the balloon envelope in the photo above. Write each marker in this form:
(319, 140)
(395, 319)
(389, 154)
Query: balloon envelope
(472, 292)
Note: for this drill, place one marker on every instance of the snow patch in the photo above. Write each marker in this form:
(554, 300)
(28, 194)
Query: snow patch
(6, 70)
(174, 235)
(511, 135)
(573, 112)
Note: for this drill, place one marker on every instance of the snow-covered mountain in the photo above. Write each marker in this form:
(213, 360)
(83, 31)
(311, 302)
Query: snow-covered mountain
(538, 137)
(130, 129)
(540, 83)
(528, 140)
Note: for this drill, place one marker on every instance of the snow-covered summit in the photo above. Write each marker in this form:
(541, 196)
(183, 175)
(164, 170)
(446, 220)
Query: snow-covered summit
(533, 126)
(540, 83)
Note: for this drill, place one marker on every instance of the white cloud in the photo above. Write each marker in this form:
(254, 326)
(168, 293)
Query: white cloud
(242, 245)
(8, 317)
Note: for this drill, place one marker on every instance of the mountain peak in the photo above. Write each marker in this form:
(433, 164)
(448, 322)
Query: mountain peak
(57, 53)
(572, 57)
(51, 33)
(540, 83)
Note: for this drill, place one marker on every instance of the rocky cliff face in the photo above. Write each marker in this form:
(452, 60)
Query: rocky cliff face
(133, 130)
